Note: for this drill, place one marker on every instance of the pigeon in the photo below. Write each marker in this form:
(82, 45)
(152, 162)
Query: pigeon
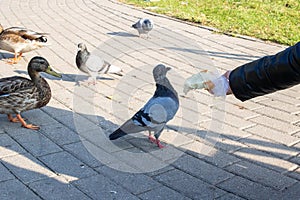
(93, 65)
(154, 116)
(143, 26)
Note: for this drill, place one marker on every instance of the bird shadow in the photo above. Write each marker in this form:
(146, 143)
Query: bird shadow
(81, 77)
(45, 75)
(5, 55)
(122, 34)
(66, 77)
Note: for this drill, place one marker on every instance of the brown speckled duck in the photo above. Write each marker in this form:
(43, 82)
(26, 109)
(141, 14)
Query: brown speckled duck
(18, 94)
(20, 40)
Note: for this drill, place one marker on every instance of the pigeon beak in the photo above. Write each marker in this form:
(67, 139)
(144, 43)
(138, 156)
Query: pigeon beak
(168, 68)
(79, 49)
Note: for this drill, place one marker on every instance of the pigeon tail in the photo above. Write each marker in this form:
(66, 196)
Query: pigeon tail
(135, 25)
(112, 69)
(117, 134)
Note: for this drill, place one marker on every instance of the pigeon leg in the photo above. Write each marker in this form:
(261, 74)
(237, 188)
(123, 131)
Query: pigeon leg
(12, 119)
(93, 82)
(159, 144)
(151, 139)
(156, 135)
(156, 141)
(25, 125)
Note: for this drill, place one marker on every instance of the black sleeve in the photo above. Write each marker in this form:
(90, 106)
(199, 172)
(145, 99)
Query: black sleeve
(267, 74)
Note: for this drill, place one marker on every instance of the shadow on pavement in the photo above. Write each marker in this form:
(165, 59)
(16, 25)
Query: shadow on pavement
(56, 156)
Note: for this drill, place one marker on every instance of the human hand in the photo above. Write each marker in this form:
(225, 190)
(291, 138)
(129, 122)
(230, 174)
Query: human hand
(217, 86)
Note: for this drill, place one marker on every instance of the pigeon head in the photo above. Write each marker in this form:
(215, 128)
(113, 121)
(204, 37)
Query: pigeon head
(81, 47)
(160, 72)
(147, 24)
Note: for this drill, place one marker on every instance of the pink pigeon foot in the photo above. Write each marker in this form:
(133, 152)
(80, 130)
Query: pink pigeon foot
(159, 144)
(156, 141)
(152, 139)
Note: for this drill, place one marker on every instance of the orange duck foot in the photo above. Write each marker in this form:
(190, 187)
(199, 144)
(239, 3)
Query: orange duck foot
(12, 119)
(15, 60)
(25, 125)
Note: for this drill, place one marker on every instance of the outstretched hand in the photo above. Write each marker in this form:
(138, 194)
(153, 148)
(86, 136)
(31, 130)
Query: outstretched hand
(219, 84)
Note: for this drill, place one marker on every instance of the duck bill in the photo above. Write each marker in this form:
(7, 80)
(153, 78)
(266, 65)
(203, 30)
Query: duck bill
(52, 72)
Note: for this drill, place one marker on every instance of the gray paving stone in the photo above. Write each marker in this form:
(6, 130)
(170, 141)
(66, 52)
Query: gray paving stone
(296, 159)
(100, 187)
(248, 189)
(5, 174)
(15, 190)
(160, 171)
(213, 156)
(240, 111)
(233, 132)
(37, 144)
(188, 185)
(16, 129)
(295, 174)
(278, 114)
(261, 175)
(55, 108)
(276, 124)
(60, 134)
(292, 192)
(281, 106)
(134, 183)
(271, 145)
(27, 168)
(38, 117)
(67, 165)
(265, 160)
(9, 147)
(162, 192)
(230, 196)
(276, 149)
(5, 125)
(68, 120)
(79, 151)
(272, 134)
(51, 188)
(201, 169)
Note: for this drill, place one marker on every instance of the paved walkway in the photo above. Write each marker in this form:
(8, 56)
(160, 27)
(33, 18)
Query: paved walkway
(250, 153)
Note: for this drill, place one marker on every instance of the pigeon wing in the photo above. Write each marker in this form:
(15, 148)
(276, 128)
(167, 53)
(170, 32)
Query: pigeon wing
(94, 63)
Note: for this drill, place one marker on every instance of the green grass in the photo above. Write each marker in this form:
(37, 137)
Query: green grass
(272, 20)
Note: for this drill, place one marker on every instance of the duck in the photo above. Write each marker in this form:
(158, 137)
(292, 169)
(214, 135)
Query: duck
(19, 94)
(20, 40)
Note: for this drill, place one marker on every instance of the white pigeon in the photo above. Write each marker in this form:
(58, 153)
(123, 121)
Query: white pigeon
(93, 64)
(143, 26)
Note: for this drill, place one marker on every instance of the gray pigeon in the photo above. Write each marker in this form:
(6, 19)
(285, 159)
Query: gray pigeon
(160, 109)
(93, 64)
(143, 26)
